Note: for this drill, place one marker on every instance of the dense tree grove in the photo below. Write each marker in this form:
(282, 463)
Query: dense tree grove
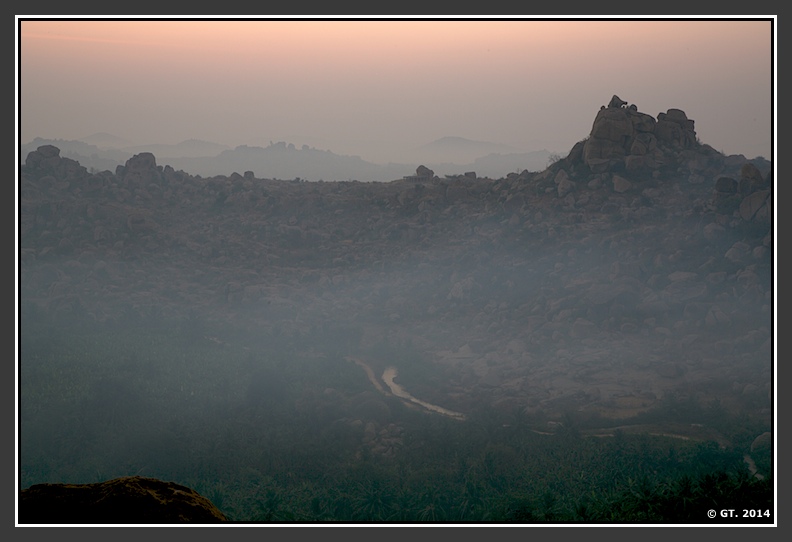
(275, 431)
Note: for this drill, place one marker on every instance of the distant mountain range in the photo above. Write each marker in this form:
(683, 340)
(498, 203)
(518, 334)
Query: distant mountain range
(446, 156)
(191, 148)
(105, 140)
(460, 150)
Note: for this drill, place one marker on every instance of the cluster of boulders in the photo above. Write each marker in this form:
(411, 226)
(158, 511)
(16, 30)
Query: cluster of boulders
(636, 140)
(640, 262)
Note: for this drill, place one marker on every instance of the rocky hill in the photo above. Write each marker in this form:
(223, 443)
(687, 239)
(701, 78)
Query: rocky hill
(639, 264)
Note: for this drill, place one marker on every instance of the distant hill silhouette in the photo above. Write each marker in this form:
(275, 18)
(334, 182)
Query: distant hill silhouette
(282, 160)
(460, 150)
(105, 140)
(191, 148)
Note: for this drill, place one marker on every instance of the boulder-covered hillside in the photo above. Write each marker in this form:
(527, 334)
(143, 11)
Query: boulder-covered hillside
(640, 263)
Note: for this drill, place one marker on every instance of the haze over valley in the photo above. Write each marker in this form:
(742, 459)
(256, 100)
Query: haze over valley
(626, 289)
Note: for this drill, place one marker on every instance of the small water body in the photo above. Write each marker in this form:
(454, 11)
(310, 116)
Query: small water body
(388, 377)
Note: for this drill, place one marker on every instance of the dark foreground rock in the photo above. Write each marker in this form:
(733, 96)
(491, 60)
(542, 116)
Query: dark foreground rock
(132, 500)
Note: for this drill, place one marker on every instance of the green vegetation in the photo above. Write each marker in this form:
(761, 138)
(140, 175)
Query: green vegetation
(284, 431)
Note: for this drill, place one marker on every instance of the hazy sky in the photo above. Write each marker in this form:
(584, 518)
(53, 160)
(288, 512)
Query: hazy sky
(373, 87)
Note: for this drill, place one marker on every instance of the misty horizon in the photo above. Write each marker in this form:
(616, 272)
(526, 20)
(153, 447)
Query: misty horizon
(281, 159)
(107, 140)
(377, 89)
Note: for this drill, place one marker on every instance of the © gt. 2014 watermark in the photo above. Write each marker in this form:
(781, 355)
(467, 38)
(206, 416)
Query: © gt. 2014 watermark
(752, 513)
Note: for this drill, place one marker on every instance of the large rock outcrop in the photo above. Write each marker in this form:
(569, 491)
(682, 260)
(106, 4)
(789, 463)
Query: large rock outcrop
(624, 136)
(129, 500)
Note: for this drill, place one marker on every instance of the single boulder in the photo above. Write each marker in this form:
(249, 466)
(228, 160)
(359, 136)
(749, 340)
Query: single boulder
(131, 500)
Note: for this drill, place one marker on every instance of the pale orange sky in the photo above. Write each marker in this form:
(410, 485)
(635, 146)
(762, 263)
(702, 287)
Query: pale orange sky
(374, 88)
